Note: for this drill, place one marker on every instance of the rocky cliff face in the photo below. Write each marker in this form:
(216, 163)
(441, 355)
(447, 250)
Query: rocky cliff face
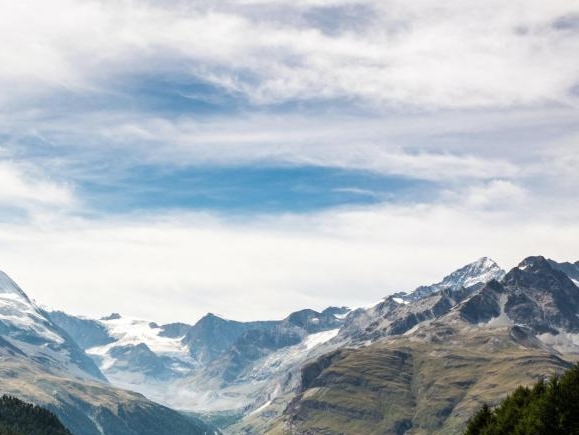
(542, 297)
(213, 335)
(86, 333)
(569, 269)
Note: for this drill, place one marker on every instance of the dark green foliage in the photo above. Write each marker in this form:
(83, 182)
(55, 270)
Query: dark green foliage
(20, 418)
(548, 408)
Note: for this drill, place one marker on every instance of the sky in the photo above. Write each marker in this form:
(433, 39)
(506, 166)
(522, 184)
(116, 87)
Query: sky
(165, 158)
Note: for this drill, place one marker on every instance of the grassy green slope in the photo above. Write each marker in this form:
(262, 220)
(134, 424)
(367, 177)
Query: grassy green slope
(430, 382)
(92, 408)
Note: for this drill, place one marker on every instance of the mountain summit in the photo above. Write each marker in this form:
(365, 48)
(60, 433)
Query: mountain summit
(42, 364)
(27, 329)
(7, 286)
(478, 272)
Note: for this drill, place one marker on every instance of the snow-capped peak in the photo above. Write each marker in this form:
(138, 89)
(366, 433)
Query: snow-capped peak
(19, 314)
(26, 327)
(8, 286)
(480, 271)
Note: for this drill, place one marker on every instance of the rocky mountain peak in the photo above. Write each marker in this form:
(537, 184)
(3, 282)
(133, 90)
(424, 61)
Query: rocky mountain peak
(210, 318)
(569, 269)
(112, 316)
(534, 263)
(313, 321)
(478, 272)
(537, 272)
(29, 329)
(8, 286)
(336, 311)
(541, 297)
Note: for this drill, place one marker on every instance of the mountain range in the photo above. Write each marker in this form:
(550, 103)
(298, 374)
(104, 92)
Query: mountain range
(414, 363)
(212, 365)
(428, 365)
(42, 364)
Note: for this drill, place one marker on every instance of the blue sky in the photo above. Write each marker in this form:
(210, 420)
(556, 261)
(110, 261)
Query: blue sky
(330, 151)
(115, 182)
(246, 190)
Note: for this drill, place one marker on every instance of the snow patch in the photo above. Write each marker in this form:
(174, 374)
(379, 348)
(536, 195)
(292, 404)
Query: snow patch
(343, 315)
(7, 285)
(272, 396)
(105, 360)
(502, 319)
(318, 338)
(131, 331)
(18, 312)
(261, 408)
(479, 272)
(564, 342)
(418, 326)
(370, 306)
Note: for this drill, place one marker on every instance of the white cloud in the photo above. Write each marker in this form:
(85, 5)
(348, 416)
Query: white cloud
(561, 160)
(21, 186)
(438, 54)
(177, 267)
(423, 147)
(495, 194)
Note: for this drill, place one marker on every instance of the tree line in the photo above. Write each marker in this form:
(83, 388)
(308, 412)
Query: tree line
(21, 418)
(550, 407)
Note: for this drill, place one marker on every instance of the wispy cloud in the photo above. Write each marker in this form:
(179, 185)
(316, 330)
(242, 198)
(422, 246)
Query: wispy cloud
(425, 53)
(443, 147)
(21, 187)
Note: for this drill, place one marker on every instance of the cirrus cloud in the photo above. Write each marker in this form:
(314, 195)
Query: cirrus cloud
(425, 54)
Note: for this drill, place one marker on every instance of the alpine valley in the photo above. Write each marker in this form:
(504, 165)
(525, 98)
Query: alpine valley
(415, 363)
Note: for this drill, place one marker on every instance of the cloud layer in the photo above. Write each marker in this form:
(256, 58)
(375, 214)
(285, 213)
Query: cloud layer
(456, 121)
(423, 54)
(178, 267)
